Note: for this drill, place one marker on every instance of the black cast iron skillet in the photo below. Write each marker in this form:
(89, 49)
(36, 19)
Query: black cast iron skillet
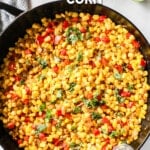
(26, 19)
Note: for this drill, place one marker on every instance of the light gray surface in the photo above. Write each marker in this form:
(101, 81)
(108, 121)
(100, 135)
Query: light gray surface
(137, 12)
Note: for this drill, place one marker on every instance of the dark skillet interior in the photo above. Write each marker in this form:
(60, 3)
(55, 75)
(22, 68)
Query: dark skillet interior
(25, 20)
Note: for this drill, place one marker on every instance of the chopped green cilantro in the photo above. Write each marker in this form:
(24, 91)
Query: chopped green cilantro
(114, 134)
(42, 107)
(80, 56)
(42, 62)
(130, 87)
(73, 128)
(74, 146)
(92, 103)
(48, 115)
(71, 86)
(22, 82)
(77, 110)
(95, 115)
(40, 128)
(73, 35)
(119, 98)
(117, 76)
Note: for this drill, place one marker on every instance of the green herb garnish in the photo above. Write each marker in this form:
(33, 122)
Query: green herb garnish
(22, 82)
(80, 56)
(72, 86)
(95, 115)
(40, 128)
(77, 110)
(73, 34)
(48, 115)
(42, 107)
(119, 98)
(88, 35)
(93, 103)
(114, 134)
(130, 87)
(73, 128)
(102, 102)
(117, 76)
(42, 62)
(75, 146)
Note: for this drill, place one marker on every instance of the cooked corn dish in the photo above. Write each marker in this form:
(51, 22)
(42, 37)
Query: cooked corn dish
(75, 82)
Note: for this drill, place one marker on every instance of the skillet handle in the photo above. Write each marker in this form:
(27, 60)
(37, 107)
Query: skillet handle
(12, 10)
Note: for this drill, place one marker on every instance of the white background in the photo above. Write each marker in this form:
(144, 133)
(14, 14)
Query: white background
(137, 12)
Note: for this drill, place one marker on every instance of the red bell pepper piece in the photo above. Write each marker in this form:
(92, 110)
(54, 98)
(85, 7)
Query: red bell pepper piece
(129, 66)
(97, 39)
(105, 120)
(128, 35)
(136, 44)
(14, 96)
(51, 24)
(122, 124)
(125, 94)
(99, 97)
(17, 78)
(66, 62)
(28, 51)
(28, 91)
(96, 132)
(26, 101)
(92, 64)
(27, 119)
(56, 69)
(56, 141)
(89, 95)
(64, 146)
(107, 141)
(11, 66)
(105, 39)
(83, 30)
(19, 141)
(40, 39)
(53, 122)
(65, 24)
(75, 19)
(102, 18)
(104, 107)
(63, 52)
(104, 61)
(119, 68)
(42, 136)
(110, 128)
(130, 104)
(59, 112)
(49, 30)
(143, 63)
(11, 125)
(68, 115)
(26, 138)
